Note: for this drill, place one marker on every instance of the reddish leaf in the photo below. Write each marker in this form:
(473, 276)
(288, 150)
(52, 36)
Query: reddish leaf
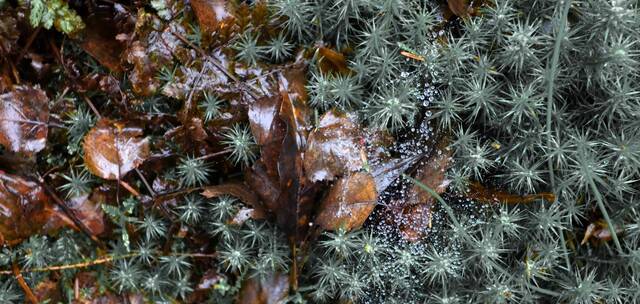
(335, 148)
(331, 61)
(482, 194)
(112, 149)
(99, 40)
(272, 290)
(598, 232)
(349, 202)
(214, 18)
(47, 291)
(24, 208)
(415, 218)
(24, 114)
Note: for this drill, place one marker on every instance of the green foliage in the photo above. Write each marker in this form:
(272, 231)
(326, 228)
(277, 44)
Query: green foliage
(48, 13)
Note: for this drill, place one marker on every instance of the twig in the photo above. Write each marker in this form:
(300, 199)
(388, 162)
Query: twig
(27, 290)
(145, 182)
(93, 108)
(205, 157)
(71, 214)
(103, 260)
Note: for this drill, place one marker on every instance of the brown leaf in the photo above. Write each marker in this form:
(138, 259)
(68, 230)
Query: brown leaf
(598, 230)
(331, 61)
(349, 202)
(214, 17)
(414, 220)
(459, 8)
(238, 190)
(485, 195)
(335, 148)
(271, 290)
(24, 208)
(111, 149)
(262, 114)
(244, 214)
(9, 32)
(99, 41)
(47, 291)
(143, 80)
(87, 211)
(24, 115)
(92, 292)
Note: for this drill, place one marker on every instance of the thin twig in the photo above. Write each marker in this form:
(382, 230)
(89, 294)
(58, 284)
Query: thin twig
(15, 270)
(24, 50)
(93, 108)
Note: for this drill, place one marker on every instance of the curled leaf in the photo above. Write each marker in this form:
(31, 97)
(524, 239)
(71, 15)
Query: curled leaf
(335, 148)
(112, 149)
(349, 202)
(24, 114)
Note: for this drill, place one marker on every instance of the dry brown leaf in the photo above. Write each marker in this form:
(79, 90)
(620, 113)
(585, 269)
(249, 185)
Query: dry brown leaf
(111, 149)
(485, 195)
(459, 8)
(331, 61)
(24, 115)
(238, 190)
(272, 290)
(335, 148)
(349, 202)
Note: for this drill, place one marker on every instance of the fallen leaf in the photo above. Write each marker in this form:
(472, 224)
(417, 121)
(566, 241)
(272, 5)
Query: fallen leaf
(47, 291)
(111, 149)
(335, 148)
(214, 18)
(142, 77)
(87, 211)
(99, 40)
(459, 8)
(24, 115)
(349, 202)
(24, 208)
(244, 214)
(480, 193)
(9, 32)
(598, 230)
(272, 290)
(331, 61)
(416, 221)
(238, 190)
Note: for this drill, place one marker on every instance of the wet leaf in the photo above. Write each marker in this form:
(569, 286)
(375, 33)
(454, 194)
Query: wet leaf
(214, 17)
(349, 202)
(111, 149)
(47, 291)
(24, 115)
(414, 219)
(244, 214)
(24, 208)
(272, 290)
(335, 148)
(92, 293)
(99, 40)
(87, 211)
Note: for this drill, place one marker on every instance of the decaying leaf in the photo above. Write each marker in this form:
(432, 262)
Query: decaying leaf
(244, 214)
(9, 33)
(414, 220)
(459, 8)
(598, 231)
(331, 61)
(334, 149)
(24, 208)
(111, 149)
(99, 40)
(480, 193)
(87, 211)
(349, 202)
(272, 290)
(238, 190)
(214, 17)
(24, 115)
